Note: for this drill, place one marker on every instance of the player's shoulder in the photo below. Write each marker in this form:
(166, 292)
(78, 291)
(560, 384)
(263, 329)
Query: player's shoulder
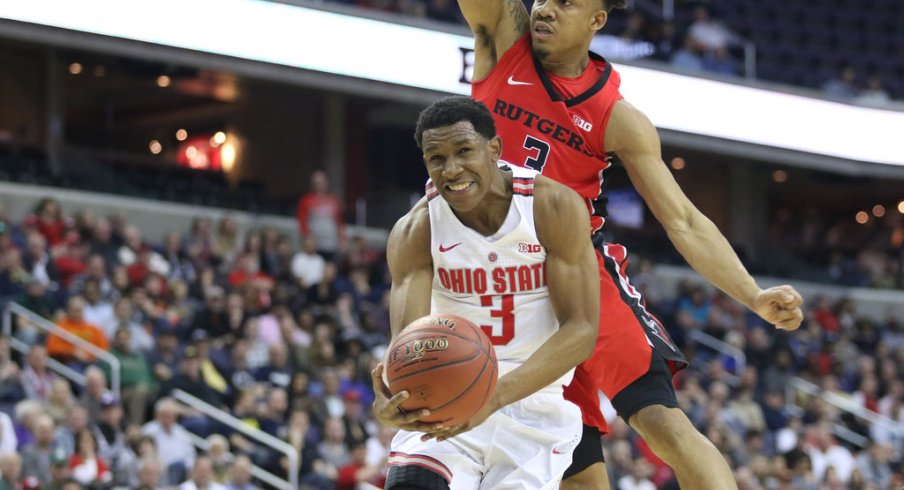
(555, 196)
(415, 223)
(629, 128)
(411, 233)
(560, 215)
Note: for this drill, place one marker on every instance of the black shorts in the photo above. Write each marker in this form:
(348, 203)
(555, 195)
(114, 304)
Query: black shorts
(653, 388)
(588, 452)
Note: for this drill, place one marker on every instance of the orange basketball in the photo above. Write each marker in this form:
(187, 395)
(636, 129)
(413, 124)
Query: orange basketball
(446, 364)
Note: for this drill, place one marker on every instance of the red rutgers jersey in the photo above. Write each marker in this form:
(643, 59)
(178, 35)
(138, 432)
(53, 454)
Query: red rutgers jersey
(549, 128)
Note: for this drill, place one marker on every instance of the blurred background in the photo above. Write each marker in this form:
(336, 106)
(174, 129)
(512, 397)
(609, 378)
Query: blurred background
(202, 192)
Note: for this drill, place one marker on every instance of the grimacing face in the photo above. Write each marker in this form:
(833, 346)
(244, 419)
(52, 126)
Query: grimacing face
(461, 163)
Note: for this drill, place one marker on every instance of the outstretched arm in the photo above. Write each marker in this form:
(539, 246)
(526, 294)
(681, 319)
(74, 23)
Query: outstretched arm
(497, 25)
(634, 139)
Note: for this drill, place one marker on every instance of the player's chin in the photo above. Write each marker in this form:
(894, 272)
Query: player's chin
(540, 45)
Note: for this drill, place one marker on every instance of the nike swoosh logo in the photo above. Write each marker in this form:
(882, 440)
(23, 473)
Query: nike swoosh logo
(556, 451)
(450, 247)
(512, 81)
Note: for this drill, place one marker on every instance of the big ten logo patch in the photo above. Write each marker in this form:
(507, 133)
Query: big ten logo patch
(530, 248)
(581, 123)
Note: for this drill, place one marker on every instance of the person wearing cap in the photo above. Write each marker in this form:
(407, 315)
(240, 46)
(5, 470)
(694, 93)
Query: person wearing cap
(111, 442)
(209, 371)
(354, 417)
(36, 455)
(59, 469)
(166, 356)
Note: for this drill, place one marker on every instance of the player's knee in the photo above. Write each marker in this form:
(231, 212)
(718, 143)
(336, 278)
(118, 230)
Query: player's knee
(414, 478)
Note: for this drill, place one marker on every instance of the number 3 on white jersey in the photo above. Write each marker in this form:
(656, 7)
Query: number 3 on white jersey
(506, 312)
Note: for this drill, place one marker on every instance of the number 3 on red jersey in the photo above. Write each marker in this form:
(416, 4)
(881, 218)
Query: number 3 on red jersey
(538, 161)
(506, 312)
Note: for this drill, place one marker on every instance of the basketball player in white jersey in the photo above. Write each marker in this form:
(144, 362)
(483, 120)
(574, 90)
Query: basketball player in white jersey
(507, 249)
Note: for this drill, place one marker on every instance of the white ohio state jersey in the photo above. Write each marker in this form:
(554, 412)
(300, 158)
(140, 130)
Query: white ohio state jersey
(497, 281)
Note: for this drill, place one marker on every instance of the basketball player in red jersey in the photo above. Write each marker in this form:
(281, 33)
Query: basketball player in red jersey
(558, 110)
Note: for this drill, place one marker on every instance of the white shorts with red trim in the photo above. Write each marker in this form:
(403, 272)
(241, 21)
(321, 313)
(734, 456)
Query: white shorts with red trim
(525, 445)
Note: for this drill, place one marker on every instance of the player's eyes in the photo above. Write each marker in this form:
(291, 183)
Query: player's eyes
(464, 150)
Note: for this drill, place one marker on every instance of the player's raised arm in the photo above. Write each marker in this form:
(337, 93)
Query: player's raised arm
(634, 139)
(562, 224)
(497, 25)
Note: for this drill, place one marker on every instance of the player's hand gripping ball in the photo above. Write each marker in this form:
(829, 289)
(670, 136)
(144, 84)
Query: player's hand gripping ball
(447, 365)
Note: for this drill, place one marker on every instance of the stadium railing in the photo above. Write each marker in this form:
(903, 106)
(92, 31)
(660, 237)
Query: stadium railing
(733, 377)
(256, 434)
(796, 386)
(15, 309)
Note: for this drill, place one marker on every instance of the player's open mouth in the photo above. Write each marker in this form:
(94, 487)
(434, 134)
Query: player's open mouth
(459, 187)
(542, 29)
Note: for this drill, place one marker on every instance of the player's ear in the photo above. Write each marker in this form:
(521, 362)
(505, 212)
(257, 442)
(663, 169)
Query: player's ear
(598, 19)
(496, 147)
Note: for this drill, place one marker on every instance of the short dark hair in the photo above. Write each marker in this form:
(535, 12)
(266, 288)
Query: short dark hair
(450, 110)
(610, 5)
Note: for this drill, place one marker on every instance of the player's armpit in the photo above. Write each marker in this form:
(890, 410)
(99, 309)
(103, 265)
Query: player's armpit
(497, 25)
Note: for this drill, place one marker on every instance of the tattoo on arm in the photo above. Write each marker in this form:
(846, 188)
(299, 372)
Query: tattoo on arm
(519, 16)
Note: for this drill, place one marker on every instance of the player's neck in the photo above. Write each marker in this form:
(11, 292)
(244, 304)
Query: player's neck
(488, 217)
(568, 66)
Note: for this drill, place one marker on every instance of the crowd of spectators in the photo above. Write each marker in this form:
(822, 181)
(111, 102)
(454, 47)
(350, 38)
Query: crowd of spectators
(284, 339)
(842, 250)
(773, 441)
(809, 244)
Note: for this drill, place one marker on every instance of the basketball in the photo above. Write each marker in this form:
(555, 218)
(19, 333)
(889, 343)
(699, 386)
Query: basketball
(446, 364)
